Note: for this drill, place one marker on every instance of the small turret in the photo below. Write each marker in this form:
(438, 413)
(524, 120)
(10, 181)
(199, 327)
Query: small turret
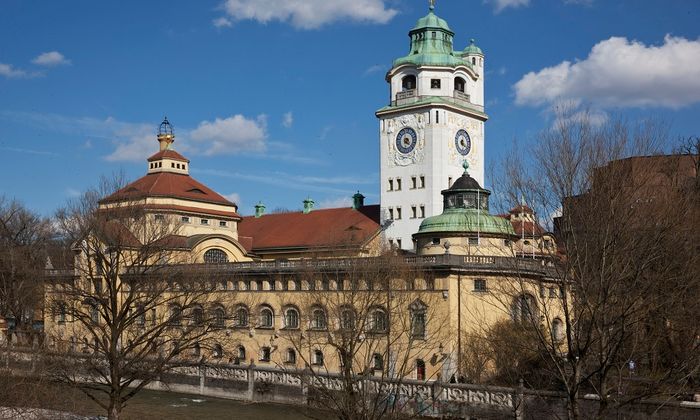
(308, 205)
(358, 201)
(259, 209)
(165, 134)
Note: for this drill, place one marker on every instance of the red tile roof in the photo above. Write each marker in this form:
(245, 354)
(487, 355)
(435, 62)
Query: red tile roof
(168, 154)
(168, 184)
(527, 228)
(318, 229)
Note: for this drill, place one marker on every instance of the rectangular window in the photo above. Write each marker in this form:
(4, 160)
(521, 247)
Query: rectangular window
(473, 241)
(204, 221)
(391, 214)
(414, 183)
(422, 181)
(159, 217)
(391, 185)
(436, 241)
(265, 354)
(185, 219)
(422, 212)
(480, 285)
(437, 117)
(414, 212)
(398, 213)
(435, 84)
(398, 184)
(398, 243)
(222, 223)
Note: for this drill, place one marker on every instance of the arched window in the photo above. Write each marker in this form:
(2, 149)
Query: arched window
(291, 356)
(318, 319)
(460, 84)
(218, 351)
(524, 308)
(347, 319)
(420, 370)
(378, 322)
(219, 317)
(140, 316)
(266, 317)
(377, 362)
(318, 358)
(175, 315)
(408, 82)
(473, 61)
(215, 256)
(418, 311)
(240, 356)
(241, 318)
(291, 318)
(197, 316)
(557, 330)
(265, 354)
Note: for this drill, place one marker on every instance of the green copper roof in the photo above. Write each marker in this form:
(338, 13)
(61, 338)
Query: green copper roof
(459, 220)
(472, 48)
(431, 44)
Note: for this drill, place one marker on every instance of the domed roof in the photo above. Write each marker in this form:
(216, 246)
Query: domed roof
(472, 48)
(465, 182)
(431, 20)
(466, 221)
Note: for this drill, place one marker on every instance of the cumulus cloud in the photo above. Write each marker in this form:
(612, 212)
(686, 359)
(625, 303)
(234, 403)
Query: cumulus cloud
(231, 135)
(310, 14)
(51, 59)
(11, 72)
(623, 73)
(500, 5)
(288, 119)
(222, 22)
(234, 198)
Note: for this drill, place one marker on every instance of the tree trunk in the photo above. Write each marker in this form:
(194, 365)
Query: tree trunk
(114, 409)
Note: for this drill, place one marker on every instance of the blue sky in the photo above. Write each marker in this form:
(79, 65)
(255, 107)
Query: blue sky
(274, 100)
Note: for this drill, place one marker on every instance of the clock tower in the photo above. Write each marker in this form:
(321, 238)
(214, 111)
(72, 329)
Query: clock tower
(433, 123)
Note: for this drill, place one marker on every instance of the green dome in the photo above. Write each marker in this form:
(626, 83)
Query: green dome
(431, 21)
(459, 220)
(472, 48)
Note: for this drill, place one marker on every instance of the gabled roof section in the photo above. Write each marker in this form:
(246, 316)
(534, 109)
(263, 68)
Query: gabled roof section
(170, 185)
(340, 227)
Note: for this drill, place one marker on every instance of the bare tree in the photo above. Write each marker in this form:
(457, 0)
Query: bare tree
(377, 320)
(128, 310)
(24, 239)
(621, 291)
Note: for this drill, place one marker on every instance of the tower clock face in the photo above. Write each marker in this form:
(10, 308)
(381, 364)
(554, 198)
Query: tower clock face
(406, 140)
(462, 142)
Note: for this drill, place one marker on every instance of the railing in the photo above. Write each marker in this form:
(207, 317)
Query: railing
(407, 97)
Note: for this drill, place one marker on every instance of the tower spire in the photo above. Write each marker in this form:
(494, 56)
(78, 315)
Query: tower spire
(431, 4)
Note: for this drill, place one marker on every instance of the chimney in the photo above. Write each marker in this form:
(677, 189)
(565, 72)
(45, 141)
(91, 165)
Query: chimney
(308, 205)
(358, 200)
(259, 209)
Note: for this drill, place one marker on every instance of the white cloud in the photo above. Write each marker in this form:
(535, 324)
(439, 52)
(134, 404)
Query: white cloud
(288, 119)
(500, 5)
(567, 112)
(232, 135)
(11, 72)
(234, 198)
(335, 203)
(50, 59)
(623, 73)
(310, 14)
(222, 22)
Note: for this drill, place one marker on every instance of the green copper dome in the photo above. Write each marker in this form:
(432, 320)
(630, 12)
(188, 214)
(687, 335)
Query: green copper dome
(431, 44)
(459, 220)
(466, 210)
(472, 48)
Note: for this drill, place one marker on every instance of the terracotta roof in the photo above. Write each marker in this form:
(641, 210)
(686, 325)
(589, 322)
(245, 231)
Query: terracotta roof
(526, 228)
(520, 208)
(168, 154)
(318, 229)
(168, 184)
